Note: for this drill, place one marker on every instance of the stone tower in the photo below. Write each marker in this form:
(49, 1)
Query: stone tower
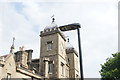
(73, 61)
(54, 57)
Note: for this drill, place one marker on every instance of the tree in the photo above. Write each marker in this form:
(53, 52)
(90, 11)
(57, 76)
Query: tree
(111, 68)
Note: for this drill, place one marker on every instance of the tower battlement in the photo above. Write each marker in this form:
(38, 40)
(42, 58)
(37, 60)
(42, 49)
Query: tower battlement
(52, 30)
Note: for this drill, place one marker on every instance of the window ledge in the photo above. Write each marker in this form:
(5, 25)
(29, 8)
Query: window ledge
(50, 72)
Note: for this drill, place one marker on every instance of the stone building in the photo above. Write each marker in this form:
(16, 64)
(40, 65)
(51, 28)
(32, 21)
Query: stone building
(16, 66)
(58, 58)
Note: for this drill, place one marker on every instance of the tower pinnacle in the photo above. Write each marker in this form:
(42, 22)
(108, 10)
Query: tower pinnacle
(12, 47)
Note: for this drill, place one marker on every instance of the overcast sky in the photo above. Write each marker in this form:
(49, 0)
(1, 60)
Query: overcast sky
(98, 18)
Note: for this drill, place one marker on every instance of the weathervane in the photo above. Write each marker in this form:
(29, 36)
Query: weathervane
(53, 19)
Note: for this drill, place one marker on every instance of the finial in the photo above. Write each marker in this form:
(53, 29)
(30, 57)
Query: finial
(12, 47)
(53, 19)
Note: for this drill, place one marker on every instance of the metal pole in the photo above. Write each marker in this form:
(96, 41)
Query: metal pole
(80, 54)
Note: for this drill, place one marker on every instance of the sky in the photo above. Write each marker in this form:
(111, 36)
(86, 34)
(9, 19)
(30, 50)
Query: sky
(99, 27)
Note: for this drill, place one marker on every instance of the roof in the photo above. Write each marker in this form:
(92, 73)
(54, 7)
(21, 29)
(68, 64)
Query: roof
(4, 56)
(52, 25)
(28, 51)
(71, 50)
(68, 45)
(28, 72)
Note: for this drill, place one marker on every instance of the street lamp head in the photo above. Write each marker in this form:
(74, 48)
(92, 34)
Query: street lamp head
(70, 27)
(75, 26)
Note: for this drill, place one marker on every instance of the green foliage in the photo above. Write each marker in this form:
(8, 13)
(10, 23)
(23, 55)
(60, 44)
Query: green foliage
(111, 68)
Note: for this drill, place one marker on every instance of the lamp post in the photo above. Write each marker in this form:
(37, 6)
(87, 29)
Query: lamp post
(75, 26)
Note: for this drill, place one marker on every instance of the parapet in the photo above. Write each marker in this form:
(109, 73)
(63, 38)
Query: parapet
(52, 30)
